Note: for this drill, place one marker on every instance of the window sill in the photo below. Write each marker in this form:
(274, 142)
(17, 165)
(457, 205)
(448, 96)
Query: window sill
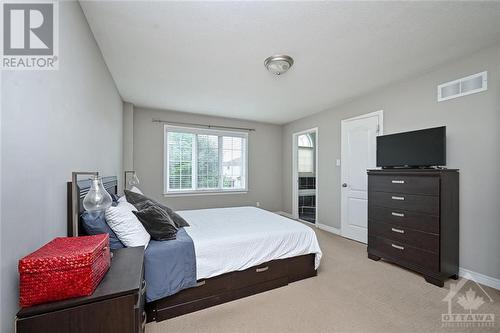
(201, 193)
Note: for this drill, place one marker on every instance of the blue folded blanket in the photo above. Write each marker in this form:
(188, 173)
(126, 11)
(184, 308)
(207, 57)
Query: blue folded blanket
(169, 266)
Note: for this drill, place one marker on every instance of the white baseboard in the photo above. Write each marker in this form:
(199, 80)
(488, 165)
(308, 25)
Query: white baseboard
(463, 272)
(479, 278)
(328, 228)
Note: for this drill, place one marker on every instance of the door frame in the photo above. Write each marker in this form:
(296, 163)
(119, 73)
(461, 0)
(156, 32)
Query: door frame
(343, 170)
(295, 173)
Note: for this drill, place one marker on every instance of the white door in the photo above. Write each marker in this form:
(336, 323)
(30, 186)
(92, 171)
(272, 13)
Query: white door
(358, 154)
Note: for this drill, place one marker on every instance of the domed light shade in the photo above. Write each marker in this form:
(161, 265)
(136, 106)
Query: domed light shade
(97, 198)
(278, 64)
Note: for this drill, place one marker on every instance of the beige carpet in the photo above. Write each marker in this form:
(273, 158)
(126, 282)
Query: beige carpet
(350, 294)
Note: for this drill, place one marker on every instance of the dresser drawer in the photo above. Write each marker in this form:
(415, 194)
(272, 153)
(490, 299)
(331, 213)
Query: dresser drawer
(415, 203)
(404, 184)
(109, 315)
(402, 253)
(269, 271)
(401, 234)
(404, 218)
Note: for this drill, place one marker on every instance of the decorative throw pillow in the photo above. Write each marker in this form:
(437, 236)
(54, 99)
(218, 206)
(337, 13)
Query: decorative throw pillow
(95, 224)
(128, 205)
(126, 226)
(157, 222)
(138, 200)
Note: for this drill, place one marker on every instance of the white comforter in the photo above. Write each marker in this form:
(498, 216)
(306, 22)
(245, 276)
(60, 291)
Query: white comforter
(234, 239)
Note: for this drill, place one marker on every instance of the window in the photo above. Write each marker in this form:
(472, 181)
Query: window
(203, 161)
(305, 154)
(305, 141)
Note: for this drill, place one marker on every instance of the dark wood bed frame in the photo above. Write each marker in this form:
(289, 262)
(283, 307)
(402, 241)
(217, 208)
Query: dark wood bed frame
(216, 290)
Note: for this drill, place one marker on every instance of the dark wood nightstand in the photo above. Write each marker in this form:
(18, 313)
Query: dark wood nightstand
(117, 305)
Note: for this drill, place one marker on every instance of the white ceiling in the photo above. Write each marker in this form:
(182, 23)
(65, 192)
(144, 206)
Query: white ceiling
(208, 58)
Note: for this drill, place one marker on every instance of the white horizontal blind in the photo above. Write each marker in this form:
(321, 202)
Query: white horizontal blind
(180, 157)
(232, 162)
(305, 153)
(208, 161)
(199, 160)
(306, 159)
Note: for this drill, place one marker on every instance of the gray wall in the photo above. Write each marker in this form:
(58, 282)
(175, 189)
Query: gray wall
(473, 146)
(2, 324)
(53, 123)
(264, 161)
(128, 136)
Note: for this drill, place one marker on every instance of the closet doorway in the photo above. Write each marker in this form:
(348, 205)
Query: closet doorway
(305, 175)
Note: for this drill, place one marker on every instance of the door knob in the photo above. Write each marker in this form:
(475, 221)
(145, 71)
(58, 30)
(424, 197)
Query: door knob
(344, 185)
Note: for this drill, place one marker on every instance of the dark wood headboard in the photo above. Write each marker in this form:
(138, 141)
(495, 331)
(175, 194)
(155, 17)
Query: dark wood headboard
(83, 186)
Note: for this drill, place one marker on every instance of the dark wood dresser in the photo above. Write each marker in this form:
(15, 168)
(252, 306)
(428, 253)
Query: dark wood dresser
(117, 305)
(413, 220)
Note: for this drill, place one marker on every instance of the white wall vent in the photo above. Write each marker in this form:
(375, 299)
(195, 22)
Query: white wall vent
(465, 86)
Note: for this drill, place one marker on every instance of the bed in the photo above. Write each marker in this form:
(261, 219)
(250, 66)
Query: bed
(239, 252)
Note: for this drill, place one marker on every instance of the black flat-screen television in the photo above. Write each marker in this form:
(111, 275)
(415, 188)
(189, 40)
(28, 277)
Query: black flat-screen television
(415, 149)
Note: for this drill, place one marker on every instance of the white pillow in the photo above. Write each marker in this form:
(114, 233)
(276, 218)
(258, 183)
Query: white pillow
(126, 226)
(128, 205)
(136, 190)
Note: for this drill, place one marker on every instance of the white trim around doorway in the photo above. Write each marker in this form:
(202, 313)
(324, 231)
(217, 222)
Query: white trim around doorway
(295, 193)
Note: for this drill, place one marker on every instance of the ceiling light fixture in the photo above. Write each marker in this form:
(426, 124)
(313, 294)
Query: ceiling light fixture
(278, 64)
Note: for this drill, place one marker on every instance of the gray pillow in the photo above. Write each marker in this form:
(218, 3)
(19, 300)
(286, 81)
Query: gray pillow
(95, 224)
(157, 223)
(138, 201)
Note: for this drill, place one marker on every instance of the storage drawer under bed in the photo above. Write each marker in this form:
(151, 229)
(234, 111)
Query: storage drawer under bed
(231, 286)
(204, 288)
(265, 272)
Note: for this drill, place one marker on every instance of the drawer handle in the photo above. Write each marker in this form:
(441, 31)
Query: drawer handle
(397, 198)
(397, 247)
(398, 214)
(201, 283)
(142, 291)
(398, 181)
(143, 325)
(400, 231)
(262, 269)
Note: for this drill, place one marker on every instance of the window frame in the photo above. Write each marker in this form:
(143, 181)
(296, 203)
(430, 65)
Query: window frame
(195, 191)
